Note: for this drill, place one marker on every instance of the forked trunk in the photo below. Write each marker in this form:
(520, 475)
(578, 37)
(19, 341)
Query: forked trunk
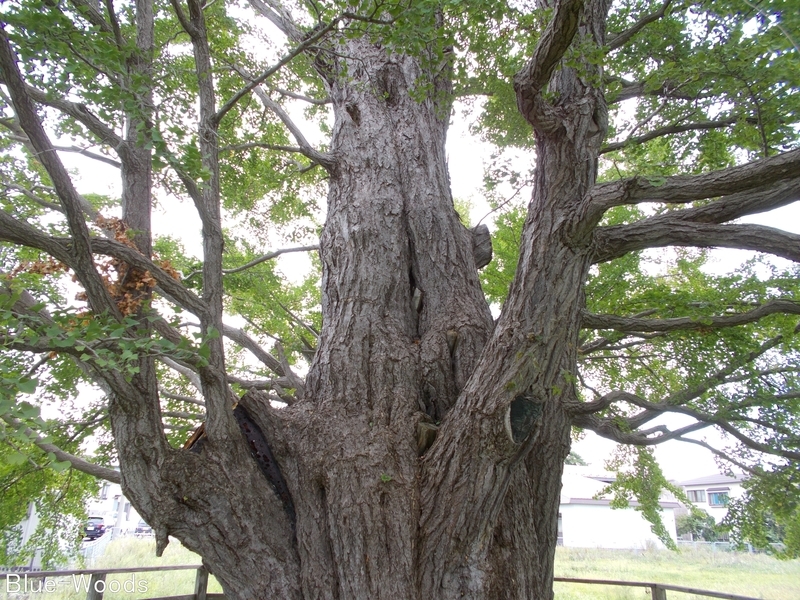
(363, 507)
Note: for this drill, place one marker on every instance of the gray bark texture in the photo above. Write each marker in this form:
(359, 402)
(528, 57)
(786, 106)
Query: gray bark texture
(421, 458)
(424, 457)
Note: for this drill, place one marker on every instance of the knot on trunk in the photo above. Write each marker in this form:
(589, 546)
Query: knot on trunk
(481, 245)
(523, 412)
(389, 82)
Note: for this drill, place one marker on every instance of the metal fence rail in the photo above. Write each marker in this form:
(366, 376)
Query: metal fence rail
(97, 586)
(658, 591)
(97, 580)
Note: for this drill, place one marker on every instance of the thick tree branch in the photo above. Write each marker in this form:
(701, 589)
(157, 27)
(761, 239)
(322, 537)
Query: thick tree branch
(681, 397)
(531, 80)
(89, 154)
(114, 22)
(245, 341)
(280, 17)
(35, 198)
(613, 242)
(18, 232)
(265, 145)
(557, 37)
(78, 463)
(90, 11)
(689, 188)
(168, 284)
(184, 370)
(603, 402)
(79, 112)
(720, 377)
(623, 37)
(99, 298)
(724, 424)
(632, 324)
(669, 130)
(636, 89)
(703, 418)
(611, 430)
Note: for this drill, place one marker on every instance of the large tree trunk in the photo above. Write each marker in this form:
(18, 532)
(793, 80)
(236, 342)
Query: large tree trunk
(404, 322)
(353, 504)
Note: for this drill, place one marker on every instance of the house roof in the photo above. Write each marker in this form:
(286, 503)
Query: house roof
(713, 480)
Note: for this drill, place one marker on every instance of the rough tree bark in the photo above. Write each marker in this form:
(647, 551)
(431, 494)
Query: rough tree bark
(353, 505)
(349, 496)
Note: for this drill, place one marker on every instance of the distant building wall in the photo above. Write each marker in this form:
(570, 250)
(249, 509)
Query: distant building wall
(115, 508)
(27, 527)
(713, 493)
(587, 523)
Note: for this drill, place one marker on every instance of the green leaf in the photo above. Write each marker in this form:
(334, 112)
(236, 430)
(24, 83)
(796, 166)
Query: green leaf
(27, 386)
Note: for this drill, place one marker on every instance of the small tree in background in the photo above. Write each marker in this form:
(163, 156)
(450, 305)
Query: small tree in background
(699, 524)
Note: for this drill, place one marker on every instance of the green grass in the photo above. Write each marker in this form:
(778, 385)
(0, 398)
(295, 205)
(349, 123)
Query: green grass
(754, 575)
(133, 552)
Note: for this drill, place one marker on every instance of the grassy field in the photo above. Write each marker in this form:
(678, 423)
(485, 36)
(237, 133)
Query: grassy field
(752, 575)
(133, 552)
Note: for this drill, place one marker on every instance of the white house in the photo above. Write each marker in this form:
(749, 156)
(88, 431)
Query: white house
(713, 492)
(26, 528)
(115, 509)
(586, 522)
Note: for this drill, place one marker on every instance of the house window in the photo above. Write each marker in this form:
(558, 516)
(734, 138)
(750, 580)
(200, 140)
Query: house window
(718, 498)
(104, 492)
(696, 495)
(560, 540)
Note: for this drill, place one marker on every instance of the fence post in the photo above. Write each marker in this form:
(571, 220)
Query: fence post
(96, 589)
(657, 592)
(200, 584)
